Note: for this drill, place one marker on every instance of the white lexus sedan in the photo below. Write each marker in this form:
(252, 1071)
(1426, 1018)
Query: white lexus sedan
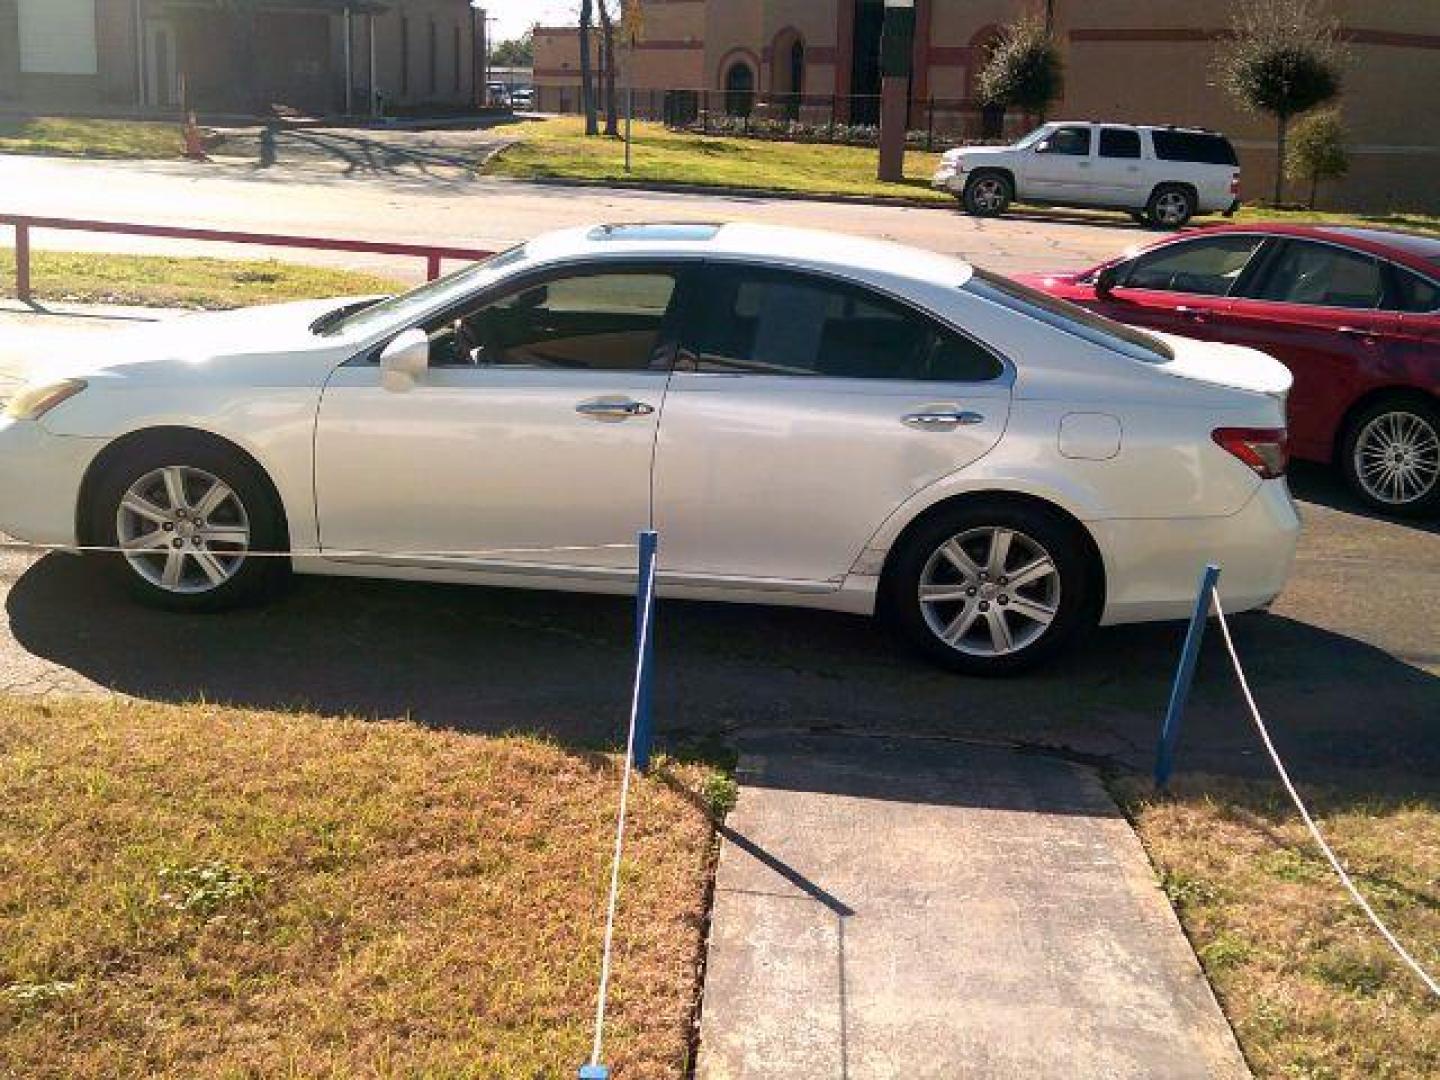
(806, 419)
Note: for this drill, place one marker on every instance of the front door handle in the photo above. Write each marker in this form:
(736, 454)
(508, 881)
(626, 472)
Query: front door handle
(1369, 337)
(613, 408)
(941, 419)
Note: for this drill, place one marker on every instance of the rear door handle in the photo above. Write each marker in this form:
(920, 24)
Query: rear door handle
(1368, 336)
(609, 408)
(1193, 314)
(941, 419)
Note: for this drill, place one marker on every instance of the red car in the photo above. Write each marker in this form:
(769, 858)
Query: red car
(1353, 313)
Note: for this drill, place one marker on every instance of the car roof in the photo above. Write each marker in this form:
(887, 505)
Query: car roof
(778, 245)
(1415, 250)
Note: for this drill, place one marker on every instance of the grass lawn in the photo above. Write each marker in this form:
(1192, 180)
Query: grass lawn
(1312, 991)
(559, 149)
(209, 892)
(91, 138)
(161, 281)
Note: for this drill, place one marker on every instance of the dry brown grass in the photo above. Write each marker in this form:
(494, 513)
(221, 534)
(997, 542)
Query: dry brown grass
(1311, 989)
(206, 891)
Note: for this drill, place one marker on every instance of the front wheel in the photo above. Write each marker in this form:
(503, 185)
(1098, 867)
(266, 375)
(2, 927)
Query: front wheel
(987, 195)
(1391, 457)
(990, 589)
(186, 515)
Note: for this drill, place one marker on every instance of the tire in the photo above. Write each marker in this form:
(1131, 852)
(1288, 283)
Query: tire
(1170, 207)
(1139, 217)
(988, 194)
(206, 537)
(1039, 617)
(1391, 456)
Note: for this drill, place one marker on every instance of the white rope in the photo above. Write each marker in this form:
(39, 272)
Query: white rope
(292, 553)
(648, 587)
(1355, 893)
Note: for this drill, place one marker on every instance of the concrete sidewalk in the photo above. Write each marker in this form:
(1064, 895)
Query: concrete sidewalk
(911, 909)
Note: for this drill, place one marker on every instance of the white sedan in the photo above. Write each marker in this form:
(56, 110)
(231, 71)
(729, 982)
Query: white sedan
(806, 419)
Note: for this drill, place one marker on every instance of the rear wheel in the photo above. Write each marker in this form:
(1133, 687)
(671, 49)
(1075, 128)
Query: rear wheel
(1170, 207)
(186, 515)
(990, 588)
(1391, 456)
(988, 194)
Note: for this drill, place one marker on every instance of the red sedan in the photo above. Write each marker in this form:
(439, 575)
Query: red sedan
(1353, 313)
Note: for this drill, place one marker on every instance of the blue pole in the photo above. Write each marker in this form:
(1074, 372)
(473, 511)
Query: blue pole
(1184, 676)
(594, 1072)
(645, 646)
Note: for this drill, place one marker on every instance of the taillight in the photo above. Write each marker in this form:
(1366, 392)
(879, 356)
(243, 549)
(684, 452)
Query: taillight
(1235, 184)
(1265, 450)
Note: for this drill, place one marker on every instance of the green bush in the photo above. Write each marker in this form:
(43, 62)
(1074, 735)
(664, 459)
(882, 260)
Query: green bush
(1318, 151)
(1024, 71)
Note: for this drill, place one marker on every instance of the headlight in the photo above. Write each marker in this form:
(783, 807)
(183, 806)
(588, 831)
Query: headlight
(33, 402)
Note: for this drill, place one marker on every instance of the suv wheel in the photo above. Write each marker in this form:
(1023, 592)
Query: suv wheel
(990, 588)
(988, 194)
(1391, 456)
(1170, 207)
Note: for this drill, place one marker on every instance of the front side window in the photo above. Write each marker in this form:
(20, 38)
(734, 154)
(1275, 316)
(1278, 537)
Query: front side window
(761, 322)
(1321, 275)
(1119, 143)
(589, 322)
(1067, 142)
(1208, 267)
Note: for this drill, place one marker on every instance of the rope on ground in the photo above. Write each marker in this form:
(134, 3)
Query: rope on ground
(648, 590)
(1319, 838)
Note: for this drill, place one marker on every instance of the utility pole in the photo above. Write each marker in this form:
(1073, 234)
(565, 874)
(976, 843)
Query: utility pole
(897, 46)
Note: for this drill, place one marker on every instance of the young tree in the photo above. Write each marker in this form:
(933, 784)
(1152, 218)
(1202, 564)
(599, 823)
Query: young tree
(587, 81)
(607, 51)
(1284, 57)
(1024, 71)
(517, 53)
(1317, 151)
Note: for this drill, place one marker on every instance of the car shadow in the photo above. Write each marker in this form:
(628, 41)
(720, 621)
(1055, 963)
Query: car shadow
(1323, 485)
(559, 665)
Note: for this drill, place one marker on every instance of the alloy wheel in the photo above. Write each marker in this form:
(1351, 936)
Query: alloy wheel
(183, 530)
(1172, 208)
(990, 591)
(989, 195)
(1397, 458)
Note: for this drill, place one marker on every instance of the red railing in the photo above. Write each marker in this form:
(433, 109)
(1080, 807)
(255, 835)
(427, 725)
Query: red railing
(23, 224)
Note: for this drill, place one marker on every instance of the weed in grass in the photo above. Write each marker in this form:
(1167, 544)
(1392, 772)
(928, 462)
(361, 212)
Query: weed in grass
(205, 888)
(1227, 950)
(27, 996)
(1354, 968)
(721, 793)
(1186, 891)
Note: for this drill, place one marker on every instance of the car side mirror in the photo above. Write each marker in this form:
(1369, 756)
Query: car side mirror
(1106, 280)
(1042, 147)
(404, 361)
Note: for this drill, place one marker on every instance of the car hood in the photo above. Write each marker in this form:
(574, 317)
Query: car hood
(261, 346)
(981, 151)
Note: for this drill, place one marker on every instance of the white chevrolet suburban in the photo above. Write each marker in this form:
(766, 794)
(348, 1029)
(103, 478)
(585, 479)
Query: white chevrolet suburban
(1161, 175)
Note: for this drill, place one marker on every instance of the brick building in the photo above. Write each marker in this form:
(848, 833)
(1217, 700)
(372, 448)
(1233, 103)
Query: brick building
(310, 56)
(1125, 60)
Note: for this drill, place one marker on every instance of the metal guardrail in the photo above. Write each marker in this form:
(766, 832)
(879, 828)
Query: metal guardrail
(24, 224)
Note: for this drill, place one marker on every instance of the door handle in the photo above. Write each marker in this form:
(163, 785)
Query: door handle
(941, 419)
(1367, 336)
(1193, 314)
(613, 408)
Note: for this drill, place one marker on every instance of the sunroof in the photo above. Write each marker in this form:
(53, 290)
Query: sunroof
(696, 232)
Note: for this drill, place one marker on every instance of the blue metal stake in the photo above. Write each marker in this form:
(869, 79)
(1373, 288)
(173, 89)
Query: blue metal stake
(1180, 692)
(645, 647)
(594, 1072)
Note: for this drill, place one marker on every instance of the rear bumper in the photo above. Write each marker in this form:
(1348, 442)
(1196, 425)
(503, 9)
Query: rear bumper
(40, 476)
(1153, 567)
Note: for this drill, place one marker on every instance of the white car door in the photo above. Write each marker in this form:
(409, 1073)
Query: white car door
(802, 413)
(1060, 168)
(529, 439)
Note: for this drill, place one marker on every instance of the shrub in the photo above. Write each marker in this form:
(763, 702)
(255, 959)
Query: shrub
(1024, 71)
(1317, 150)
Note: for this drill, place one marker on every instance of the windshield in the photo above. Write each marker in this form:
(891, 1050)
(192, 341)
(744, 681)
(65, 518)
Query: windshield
(401, 308)
(1034, 137)
(1071, 318)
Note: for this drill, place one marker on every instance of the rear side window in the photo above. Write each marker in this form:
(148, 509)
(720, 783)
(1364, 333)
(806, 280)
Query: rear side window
(1206, 267)
(1205, 148)
(1411, 292)
(761, 322)
(1119, 143)
(1321, 275)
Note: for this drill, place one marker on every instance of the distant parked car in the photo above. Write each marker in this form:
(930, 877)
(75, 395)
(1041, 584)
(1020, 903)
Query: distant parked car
(1162, 175)
(522, 98)
(807, 419)
(1353, 313)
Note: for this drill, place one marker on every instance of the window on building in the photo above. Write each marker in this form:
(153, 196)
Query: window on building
(434, 59)
(1119, 143)
(57, 37)
(404, 55)
(739, 89)
(457, 58)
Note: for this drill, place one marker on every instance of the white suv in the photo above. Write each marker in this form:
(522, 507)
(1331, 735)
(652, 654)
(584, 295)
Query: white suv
(1161, 175)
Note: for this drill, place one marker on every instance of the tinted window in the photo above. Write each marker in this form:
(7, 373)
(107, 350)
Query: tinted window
(1070, 141)
(1198, 146)
(1119, 143)
(1411, 292)
(594, 322)
(1322, 275)
(1208, 267)
(773, 323)
(1071, 318)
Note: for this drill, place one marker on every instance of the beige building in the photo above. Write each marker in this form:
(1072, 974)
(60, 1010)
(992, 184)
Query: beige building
(1128, 60)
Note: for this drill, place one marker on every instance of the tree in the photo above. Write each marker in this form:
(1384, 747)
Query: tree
(517, 53)
(1318, 151)
(587, 81)
(1283, 57)
(607, 52)
(1024, 71)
